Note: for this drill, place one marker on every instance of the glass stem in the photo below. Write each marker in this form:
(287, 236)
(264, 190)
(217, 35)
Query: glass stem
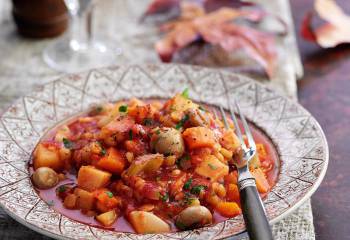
(81, 26)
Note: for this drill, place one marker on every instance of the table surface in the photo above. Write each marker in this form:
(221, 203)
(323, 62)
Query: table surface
(324, 91)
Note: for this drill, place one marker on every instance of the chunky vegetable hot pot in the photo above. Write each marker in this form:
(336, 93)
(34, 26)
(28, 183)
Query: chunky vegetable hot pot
(147, 166)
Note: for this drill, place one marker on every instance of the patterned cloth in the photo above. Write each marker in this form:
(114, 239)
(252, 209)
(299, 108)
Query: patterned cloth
(22, 68)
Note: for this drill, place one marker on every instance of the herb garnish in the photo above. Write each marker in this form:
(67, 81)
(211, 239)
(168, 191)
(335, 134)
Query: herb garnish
(103, 151)
(67, 143)
(180, 225)
(158, 132)
(147, 122)
(185, 93)
(187, 184)
(197, 189)
(212, 167)
(123, 108)
(130, 135)
(62, 188)
(182, 122)
(164, 197)
(109, 194)
(51, 203)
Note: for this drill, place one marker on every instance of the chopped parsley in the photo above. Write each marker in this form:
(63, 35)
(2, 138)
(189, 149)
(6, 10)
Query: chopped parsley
(51, 203)
(109, 194)
(188, 200)
(164, 197)
(182, 122)
(212, 167)
(67, 143)
(158, 132)
(187, 184)
(103, 151)
(62, 188)
(147, 122)
(197, 189)
(185, 93)
(130, 135)
(180, 225)
(123, 108)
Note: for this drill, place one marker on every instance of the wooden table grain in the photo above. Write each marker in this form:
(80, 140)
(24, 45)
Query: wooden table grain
(325, 92)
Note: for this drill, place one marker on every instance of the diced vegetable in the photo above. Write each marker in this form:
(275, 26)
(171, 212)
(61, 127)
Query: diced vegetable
(146, 163)
(47, 155)
(146, 222)
(141, 113)
(107, 218)
(262, 184)
(232, 192)
(70, 201)
(212, 168)
(228, 209)
(120, 125)
(178, 105)
(199, 137)
(106, 201)
(91, 178)
(230, 141)
(85, 199)
(62, 132)
(113, 161)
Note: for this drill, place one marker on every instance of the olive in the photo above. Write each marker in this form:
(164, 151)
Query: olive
(168, 141)
(45, 177)
(192, 217)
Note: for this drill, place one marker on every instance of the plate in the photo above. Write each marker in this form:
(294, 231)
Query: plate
(298, 138)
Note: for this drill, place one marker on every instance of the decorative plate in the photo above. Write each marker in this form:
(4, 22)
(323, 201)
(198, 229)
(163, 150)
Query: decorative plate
(298, 138)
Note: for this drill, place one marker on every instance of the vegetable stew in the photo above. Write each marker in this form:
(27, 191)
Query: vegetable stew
(147, 166)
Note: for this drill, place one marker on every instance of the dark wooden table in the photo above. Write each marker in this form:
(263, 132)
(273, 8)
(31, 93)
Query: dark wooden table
(325, 92)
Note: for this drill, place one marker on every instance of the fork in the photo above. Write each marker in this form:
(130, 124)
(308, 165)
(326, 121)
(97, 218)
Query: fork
(254, 213)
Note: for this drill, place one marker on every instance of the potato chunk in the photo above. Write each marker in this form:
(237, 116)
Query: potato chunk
(212, 168)
(47, 155)
(146, 222)
(70, 201)
(91, 178)
(107, 218)
(85, 199)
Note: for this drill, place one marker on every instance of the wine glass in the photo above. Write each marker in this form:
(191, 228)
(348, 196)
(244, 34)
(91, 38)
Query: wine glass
(79, 51)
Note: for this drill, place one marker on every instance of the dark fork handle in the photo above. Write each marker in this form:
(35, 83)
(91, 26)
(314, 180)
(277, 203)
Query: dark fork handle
(257, 225)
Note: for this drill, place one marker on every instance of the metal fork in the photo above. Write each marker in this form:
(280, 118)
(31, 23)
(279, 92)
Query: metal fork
(254, 214)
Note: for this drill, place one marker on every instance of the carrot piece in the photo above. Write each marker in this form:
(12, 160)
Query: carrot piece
(113, 162)
(198, 137)
(70, 201)
(232, 192)
(106, 201)
(262, 184)
(228, 209)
